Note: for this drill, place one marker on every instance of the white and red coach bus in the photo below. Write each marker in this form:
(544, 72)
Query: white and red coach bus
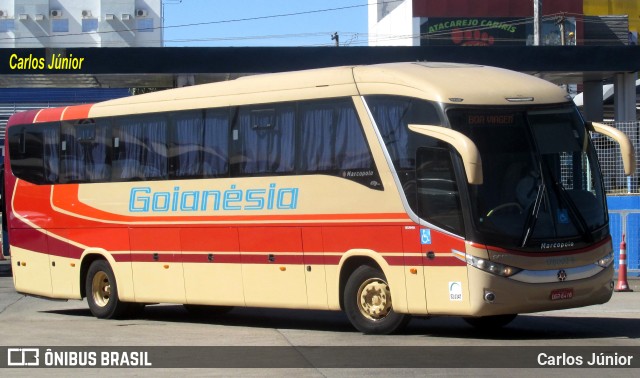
(384, 191)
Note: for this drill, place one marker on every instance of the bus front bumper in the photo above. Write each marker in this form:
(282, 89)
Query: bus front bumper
(490, 294)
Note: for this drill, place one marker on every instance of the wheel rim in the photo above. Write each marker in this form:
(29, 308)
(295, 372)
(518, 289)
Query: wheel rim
(101, 289)
(374, 299)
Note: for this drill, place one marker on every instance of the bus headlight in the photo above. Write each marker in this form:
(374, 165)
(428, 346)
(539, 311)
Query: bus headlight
(606, 260)
(488, 266)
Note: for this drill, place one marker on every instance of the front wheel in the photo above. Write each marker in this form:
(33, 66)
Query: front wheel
(368, 303)
(102, 292)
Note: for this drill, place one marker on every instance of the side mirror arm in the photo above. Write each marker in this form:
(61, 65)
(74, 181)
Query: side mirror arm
(626, 147)
(465, 147)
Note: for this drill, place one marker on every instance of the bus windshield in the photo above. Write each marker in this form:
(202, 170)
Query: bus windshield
(542, 186)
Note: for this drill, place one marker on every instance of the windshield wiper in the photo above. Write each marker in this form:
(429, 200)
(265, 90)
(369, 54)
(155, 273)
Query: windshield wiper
(532, 216)
(574, 213)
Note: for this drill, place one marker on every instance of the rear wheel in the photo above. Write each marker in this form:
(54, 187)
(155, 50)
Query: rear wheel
(487, 323)
(368, 303)
(102, 292)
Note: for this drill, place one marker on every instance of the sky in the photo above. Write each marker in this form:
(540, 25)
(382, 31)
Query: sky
(233, 23)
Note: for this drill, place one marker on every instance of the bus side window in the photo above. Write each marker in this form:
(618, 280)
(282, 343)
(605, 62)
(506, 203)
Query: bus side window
(331, 138)
(392, 115)
(34, 152)
(215, 159)
(185, 153)
(264, 140)
(200, 144)
(85, 150)
(437, 189)
(140, 148)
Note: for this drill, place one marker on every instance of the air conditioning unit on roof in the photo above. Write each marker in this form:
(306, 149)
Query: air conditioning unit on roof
(55, 13)
(141, 13)
(86, 13)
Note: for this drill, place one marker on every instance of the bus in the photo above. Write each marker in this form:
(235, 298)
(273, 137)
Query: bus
(384, 191)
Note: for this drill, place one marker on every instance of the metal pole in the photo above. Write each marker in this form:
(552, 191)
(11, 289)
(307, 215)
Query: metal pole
(537, 21)
(562, 42)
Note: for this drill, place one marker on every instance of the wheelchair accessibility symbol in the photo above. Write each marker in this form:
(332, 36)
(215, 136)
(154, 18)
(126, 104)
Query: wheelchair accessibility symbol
(425, 236)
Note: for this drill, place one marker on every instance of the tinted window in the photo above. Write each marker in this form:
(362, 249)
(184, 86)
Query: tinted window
(200, 144)
(85, 151)
(331, 138)
(33, 151)
(264, 140)
(311, 137)
(438, 194)
(215, 151)
(140, 148)
(392, 115)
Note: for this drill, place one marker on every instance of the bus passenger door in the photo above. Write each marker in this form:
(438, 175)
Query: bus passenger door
(445, 275)
(212, 270)
(414, 261)
(439, 204)
(273, 267)
(157, 265)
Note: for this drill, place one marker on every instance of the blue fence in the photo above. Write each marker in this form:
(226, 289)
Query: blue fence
(624, 217)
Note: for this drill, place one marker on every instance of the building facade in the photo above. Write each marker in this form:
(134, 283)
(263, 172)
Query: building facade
(60, 24)
(86, 23)
(501, 22)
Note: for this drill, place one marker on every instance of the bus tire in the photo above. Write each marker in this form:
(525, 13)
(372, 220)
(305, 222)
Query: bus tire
(368, 305)
(487, 323)
(102, 292)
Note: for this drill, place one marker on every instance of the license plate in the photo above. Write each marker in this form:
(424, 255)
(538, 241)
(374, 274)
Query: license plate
(560, 294)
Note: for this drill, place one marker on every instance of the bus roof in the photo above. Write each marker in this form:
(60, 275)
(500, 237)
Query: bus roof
(441, 82)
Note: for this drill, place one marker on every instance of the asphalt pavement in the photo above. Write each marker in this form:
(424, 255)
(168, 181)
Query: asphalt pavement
(5, 271)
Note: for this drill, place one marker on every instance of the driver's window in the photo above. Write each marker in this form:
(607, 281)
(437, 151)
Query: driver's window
(437, 189)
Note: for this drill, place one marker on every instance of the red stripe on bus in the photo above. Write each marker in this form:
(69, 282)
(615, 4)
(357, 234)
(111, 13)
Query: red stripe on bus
(38, 242)
(122, 257)
(29, 239)
(22, 118)
(310, 259)
(445, 261)
(161, 257)
(274, 259)
(77, 112)
(216, 258)
(332, 259)
(49, 115)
